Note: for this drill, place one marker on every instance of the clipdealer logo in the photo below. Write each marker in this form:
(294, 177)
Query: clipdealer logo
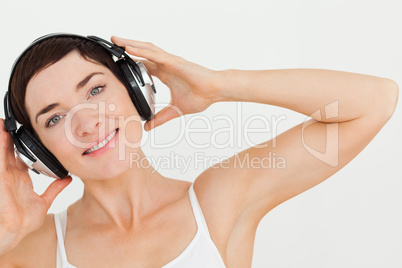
(331, 154)
(202, 161)
(235, 130)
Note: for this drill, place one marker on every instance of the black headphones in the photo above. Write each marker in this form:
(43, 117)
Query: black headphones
(137, 80)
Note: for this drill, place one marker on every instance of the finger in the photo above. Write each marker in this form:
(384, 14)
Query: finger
(3, 146)
(151, 55)
(6, 147)
(127, 42)
(163, 116)
(54, 189)
(20, 165)
(145, 50)
(10, 150)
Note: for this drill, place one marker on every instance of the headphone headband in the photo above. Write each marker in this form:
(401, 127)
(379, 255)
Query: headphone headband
(113, 49)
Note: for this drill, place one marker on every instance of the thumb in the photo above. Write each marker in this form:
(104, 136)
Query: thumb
(54, 189)
(151, 67)
(164, 115)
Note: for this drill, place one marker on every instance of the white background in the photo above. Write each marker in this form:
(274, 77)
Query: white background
(354, 218)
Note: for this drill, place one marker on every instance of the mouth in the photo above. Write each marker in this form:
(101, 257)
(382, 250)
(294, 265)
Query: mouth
(103, 145)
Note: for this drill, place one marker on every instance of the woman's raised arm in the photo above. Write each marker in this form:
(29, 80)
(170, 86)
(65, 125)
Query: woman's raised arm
(347, 111)
(308, 91)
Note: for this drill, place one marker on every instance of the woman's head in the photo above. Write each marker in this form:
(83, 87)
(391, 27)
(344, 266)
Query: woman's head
(45, 54)
(53, 92)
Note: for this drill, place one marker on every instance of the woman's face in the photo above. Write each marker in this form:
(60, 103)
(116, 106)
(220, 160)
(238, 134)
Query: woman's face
(76, 104)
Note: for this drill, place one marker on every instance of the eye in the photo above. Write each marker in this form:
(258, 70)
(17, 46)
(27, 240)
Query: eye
(53, 120)
(96, 90)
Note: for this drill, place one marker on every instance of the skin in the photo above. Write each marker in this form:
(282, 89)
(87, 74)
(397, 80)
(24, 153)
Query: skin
(141, 212)
(111, 186)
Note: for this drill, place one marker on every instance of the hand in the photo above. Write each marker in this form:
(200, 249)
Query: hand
(21, 209)
(193, 88)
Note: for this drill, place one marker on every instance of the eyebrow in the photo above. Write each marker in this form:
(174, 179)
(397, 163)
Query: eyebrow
(79, 86)
(86, 79)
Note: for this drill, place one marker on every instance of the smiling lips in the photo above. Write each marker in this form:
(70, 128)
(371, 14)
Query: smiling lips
(102, 143)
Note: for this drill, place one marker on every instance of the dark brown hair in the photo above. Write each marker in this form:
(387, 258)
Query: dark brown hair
(45, 54)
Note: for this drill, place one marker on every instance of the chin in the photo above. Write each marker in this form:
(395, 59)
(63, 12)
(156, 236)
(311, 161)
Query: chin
(109, 170)
(102, 169)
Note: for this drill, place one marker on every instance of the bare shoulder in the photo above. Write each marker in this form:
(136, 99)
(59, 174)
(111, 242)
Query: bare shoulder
(37, 249)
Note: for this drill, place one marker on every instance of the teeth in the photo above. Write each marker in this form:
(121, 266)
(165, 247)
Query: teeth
(101, 144)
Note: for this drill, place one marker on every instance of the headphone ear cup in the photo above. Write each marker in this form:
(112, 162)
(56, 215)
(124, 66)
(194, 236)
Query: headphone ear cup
(46, 160)
(134, 90)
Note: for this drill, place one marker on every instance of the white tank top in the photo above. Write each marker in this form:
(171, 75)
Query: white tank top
(200, 253)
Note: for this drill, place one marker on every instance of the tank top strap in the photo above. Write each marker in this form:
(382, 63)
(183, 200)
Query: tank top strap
(199, 216)
(60, 220)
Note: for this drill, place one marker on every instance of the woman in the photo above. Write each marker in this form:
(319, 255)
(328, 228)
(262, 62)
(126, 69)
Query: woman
(130, 215)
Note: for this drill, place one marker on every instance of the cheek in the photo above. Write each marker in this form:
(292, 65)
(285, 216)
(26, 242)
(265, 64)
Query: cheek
(130, 127)
(121, 99)
(60, 146)
(122, 108)
(128, 120)
(62, 149)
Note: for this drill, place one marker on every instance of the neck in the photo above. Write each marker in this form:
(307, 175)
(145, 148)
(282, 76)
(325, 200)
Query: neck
(124, 201)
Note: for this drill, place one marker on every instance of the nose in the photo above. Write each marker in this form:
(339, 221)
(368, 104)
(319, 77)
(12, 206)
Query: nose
(86, 121)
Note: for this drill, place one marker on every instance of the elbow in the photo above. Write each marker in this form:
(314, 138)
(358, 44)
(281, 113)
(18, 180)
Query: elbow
(389, 93)
(392, 98)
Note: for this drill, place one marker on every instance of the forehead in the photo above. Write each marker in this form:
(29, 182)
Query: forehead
(56, 82)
